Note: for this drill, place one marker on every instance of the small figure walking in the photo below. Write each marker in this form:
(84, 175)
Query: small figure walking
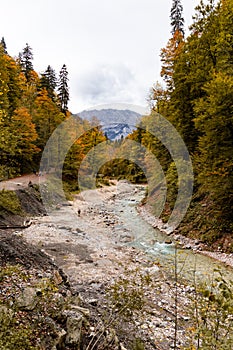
(79, 212)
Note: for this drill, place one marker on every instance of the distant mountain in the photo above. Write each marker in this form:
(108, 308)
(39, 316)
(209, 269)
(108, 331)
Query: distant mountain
(116, 123)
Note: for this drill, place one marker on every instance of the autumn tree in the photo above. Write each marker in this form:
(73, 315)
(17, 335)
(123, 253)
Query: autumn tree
(46, 116)
(171, 52)
(4, 103)
(23, 131)
(15, 84)
(87, 137)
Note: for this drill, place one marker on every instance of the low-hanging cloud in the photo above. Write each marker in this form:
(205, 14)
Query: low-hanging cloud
(107, 83)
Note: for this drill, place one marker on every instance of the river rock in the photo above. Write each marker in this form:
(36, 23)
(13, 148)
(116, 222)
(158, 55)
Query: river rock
(74, 327)
(125, 238)
(168, 241)
(153, 270)
(28, 299)
(93, 302)
(57, 333)
(58, 344)
(57, 278)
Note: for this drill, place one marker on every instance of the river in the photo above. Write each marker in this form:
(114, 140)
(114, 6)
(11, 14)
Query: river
(152, 241)
(109, 219)
(101, 234)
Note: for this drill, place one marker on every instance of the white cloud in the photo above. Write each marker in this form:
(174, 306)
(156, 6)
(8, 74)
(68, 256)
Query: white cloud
(119, 39)
(107, 83)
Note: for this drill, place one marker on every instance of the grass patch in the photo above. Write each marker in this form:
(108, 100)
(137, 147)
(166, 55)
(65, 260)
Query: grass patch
(10, 203)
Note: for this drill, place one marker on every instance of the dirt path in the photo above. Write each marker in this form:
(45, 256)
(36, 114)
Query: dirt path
(21, 182)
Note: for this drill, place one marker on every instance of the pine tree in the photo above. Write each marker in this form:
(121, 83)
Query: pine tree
(171, 52)
(26, 58)
(3, 43)
(63, 89)
(176, 16)
(49, 81)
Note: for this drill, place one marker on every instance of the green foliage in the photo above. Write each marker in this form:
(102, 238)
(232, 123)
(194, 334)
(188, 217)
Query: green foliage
(213, 310)
(138, 345)
(123, 169)
(3, 43)
(9, 202)
(14, 336)
(172, 188)
(26, 328)
(177, 20)
(127, 294)
(215, 121)
(26, 58)
(49, 82)
(198, 102)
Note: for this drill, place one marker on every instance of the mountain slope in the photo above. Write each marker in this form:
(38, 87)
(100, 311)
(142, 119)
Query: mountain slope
(116, 123)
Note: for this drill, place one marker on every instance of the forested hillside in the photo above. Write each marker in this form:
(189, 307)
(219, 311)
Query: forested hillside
(197, 98)
(32, 105)
(30, 109)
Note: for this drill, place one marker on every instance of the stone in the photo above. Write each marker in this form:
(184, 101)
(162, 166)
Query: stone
(56, 332)
(74, 328)
(82, 310)
(28, 299)
(126, 238)
(57, 277)
(93, 302)
(152, 270)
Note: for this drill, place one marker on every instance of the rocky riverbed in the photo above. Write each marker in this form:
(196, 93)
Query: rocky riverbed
(186, 242)
(90, 241)
(127, 293)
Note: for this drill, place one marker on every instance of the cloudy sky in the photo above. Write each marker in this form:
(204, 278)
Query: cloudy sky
(111, 47)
